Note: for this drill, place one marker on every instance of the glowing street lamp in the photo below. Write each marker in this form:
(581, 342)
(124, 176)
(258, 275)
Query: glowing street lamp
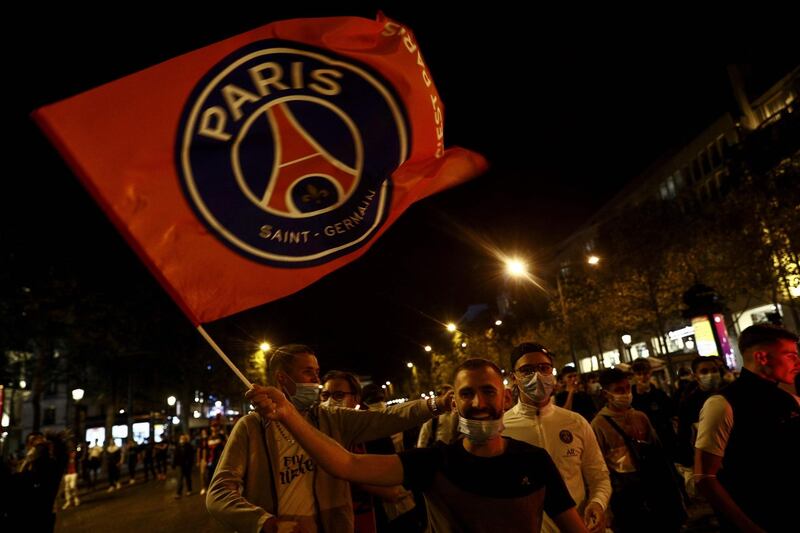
(498, 322)
(77, 394)
(626, 340)
(410, 365)
(264, 346)
(516, 268)
(388, 383)
(593, 260)
(171, 401)
(451, 327)
(428, 348)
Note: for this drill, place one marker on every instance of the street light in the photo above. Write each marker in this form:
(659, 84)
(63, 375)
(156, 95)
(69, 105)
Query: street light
(171, 401)
(77, 395)
(626, 340)
(498, 322)
(593, 260)
(451, 327)
(388, 383)
(410, 365)
(264, 346)
(565, 317)
(463, 344)
(516, 268)
(428, 348)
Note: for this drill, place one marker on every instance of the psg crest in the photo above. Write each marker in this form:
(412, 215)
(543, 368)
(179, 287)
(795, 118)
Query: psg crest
(285, 152)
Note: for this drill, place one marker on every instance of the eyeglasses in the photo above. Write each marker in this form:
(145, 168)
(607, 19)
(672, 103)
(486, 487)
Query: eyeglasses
(336, 395)
(528, 370)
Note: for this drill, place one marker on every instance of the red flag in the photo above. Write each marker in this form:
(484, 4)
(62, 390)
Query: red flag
(246, 170)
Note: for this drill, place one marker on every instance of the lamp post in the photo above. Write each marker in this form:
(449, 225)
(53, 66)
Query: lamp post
(77, 396)
(414, 377)
(626, 340)
(565, 317)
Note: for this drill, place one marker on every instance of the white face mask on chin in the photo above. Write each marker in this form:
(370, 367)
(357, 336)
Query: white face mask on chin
(480, 431)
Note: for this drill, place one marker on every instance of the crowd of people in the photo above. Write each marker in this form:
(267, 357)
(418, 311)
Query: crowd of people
(529, 450)
(613, 450)
(55, 470)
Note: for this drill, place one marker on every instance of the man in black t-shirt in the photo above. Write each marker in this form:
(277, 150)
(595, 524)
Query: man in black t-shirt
(483, 482)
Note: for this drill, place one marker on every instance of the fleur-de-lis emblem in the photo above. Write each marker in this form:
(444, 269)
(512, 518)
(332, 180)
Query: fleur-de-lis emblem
(314, 195)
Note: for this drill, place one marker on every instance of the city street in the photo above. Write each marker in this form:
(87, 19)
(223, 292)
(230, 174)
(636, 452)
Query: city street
(153, 506)
(144, 506)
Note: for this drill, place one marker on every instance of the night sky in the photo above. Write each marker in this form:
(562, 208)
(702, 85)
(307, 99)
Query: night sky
(566, 113)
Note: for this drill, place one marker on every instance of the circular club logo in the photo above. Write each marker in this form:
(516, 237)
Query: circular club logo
(565, 435)
(285, 152)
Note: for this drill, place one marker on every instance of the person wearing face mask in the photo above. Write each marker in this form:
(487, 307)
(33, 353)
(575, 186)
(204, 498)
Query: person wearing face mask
(342, 390)
(705, 372)
(646, 488)
(483, 482)
(566, 435)
(746, 454)
(266, 480)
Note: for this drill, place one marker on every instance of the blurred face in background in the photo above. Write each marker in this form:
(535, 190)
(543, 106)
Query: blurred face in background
(337, 392)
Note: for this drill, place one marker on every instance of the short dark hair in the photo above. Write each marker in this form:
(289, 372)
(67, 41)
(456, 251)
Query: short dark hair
(760, 334)
(351, 379)
(373, 393)
(528, 347)
(567, 369)
(442, 389)
(705, 359)
(284, 356)
(610, 376)
(641, 363)
(476, 363)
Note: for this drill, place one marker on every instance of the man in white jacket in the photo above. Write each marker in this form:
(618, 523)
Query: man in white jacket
(566, 435)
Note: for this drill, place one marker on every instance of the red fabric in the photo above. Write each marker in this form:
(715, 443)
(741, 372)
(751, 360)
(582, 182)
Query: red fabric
(120, 139)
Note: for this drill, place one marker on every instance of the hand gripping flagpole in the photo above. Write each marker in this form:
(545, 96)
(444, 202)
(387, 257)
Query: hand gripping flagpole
(224, 357)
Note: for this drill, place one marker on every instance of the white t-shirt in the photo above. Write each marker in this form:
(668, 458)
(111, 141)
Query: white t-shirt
(295, 480)
(715, 425)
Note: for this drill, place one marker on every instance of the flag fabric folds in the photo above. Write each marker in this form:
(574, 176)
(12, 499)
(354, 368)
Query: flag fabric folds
(246, 170)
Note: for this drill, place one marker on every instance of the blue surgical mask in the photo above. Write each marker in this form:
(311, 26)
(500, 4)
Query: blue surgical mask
(305, 395)
(539, 387)
(480, 430)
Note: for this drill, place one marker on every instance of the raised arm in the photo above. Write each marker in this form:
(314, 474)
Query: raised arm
(359, 468)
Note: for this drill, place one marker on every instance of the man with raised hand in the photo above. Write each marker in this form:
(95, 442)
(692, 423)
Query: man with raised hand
(483, 482)
(265, 480)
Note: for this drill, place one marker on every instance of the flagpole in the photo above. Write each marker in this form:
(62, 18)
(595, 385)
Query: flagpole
(224, 357)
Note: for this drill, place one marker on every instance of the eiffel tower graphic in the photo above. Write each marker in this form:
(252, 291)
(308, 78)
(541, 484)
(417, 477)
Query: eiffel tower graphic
(298, 156)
